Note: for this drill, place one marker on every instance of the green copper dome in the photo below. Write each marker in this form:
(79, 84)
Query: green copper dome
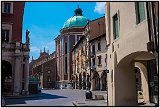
(77, 20)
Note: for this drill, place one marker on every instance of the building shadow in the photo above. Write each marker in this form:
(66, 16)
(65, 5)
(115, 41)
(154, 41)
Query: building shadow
(23, 100)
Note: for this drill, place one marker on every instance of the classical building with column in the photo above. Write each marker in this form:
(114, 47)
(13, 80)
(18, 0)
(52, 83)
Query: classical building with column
(44, 69)
(128, 35)
(71, 32)
(89, 57)
(15, 54)
(97, 55)
(98, 63)
(80, 65)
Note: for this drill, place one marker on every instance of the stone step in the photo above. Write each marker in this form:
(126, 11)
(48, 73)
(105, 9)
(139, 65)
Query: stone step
(99, 97)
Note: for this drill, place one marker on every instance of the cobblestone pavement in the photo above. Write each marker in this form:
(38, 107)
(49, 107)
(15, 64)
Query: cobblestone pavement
(63, 97)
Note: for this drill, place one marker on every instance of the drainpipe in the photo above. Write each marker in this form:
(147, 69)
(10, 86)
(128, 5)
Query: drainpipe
(109, 26)
(154, 26)
(149, 21)
(108, 39)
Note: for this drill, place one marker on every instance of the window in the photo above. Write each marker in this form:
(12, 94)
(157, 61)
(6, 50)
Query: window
(82, 51)
(86, 53)
(140, 12)
(49, 72)
(99, 60)
(62, 45)
(7, 7)
(115, 26)
(106, 60)
(93, 61)
(48, 79)
(93, 49)
(68, 46)
(99, 46)
(65, 65)
(5, 35)
(65, 48)
(75, 39)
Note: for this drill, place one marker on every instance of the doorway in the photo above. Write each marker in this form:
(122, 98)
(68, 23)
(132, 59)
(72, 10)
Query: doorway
(6, 78)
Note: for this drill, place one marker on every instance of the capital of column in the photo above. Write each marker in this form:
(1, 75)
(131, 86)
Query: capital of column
(18, 45)
(27, 56)
(17, 52)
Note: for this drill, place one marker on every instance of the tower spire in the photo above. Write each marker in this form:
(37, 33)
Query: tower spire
(44, 49)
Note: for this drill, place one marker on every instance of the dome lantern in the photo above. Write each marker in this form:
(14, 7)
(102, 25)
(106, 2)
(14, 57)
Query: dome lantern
(78, 20)
(78, 11)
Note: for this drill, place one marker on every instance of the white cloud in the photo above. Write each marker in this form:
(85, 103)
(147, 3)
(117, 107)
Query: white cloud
(40, 38)
(99, 7)
(34, 49)
(49, 46)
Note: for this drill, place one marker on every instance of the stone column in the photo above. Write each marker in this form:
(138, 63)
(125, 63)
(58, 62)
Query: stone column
(86, 82)
(82, 82)
(26, 74)
(16, 76)
(75, 84)
(93, 84)
(101, 83)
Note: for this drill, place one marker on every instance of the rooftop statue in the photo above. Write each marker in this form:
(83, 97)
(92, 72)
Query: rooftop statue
(27, 36)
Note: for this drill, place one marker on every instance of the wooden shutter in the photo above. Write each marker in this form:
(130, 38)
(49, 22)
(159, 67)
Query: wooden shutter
(141, 11)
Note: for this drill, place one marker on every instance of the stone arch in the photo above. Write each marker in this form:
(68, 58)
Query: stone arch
(103, 81)
(80, 81)
(124, 80)
(6, 75)
(73, 80)
(95, 81)
(142, 65)
(88, 82)
(84, 80)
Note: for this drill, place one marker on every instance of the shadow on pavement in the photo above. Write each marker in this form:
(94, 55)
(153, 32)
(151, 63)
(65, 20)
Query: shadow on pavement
(23, 100)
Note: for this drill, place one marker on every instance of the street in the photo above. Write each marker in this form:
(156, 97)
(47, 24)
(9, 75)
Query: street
(63, 97)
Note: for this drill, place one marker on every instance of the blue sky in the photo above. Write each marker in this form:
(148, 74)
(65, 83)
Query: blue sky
(45, 19)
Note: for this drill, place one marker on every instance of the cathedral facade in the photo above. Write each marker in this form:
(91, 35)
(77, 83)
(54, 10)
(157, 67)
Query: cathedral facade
(71, 32)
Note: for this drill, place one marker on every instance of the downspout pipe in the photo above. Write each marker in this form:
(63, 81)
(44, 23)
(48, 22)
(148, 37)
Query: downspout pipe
(148, 20)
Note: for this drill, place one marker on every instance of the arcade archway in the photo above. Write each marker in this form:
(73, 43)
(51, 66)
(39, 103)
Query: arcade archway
(6, 77)
(125, 90)
(103, 81)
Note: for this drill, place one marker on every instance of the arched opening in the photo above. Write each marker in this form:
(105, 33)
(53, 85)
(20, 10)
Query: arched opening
(96, 81)
(103, 81)
(124, 77)
(80, 81)
(6, 78)
(73, 81)
(84, 80)
(143, 90)
(76, 82)
(88, 82)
